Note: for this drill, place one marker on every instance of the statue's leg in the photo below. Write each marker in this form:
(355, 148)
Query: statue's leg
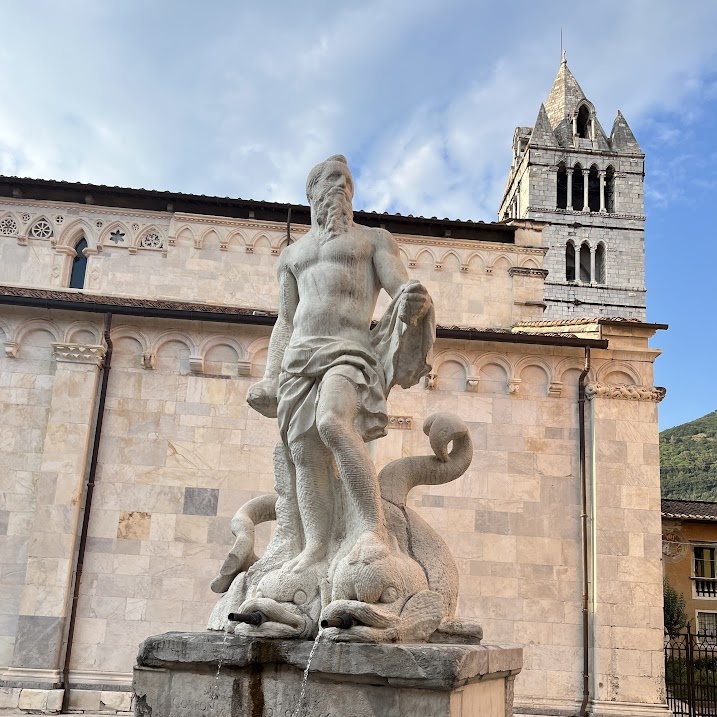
(336, 413)
(314, 474)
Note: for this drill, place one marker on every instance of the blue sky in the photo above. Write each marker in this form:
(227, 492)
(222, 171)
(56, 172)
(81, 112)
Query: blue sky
(240, 99)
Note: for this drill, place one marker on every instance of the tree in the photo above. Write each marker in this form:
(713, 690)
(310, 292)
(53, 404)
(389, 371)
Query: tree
(674, 609)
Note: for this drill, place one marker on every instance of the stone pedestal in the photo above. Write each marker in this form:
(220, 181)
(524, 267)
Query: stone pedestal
(176, 676)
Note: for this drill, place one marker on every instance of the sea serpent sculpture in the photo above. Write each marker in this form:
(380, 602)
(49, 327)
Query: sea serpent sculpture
(408, 593)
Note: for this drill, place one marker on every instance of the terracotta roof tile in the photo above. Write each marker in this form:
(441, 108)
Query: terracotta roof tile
(689, 509)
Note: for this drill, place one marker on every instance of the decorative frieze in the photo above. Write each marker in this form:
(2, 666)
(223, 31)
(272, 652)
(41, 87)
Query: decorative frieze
(527, 271)
(79, 353)
(628, 391)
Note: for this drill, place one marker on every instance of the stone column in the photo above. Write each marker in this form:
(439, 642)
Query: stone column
(47, 593)
(627, 665)
(569, 173)
(586, 175)
(592, 264)
(601, 174)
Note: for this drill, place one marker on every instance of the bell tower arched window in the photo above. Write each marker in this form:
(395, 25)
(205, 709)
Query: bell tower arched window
(562, 196)
(582, 125)
(610, 190)
(569, 261)
(600, 263)
(585, 263)
(79, 265)
(594, 189)
(578, 188)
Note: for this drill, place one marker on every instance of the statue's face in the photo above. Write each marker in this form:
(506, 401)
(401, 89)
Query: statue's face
(334, 184)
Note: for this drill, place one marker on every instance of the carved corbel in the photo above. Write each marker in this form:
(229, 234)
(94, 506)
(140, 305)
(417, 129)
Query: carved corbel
(513, 386)
(22, 239)
(411, 264)
(196, 364)
(555, 388)
(11, 349)
(472, 383)
(249, 249)
(149, 360)
(244, 368)
(464, 268)
(430, 381)
(438, 266)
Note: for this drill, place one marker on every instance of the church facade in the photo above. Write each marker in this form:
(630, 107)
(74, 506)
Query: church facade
(133, 322)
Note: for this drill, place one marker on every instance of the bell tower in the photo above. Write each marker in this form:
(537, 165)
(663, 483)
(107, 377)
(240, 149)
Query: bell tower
(589, 190)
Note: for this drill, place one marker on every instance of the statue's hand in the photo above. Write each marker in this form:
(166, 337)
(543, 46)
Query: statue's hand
(262, 397)
(415, 302)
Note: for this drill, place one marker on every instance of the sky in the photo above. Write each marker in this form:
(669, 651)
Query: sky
(240, 99)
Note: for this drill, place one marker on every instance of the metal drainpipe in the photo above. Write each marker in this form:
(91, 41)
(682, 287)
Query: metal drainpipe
(584, 530)
(99, 416)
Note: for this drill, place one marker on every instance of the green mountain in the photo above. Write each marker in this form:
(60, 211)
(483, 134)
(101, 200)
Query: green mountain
(688, 460)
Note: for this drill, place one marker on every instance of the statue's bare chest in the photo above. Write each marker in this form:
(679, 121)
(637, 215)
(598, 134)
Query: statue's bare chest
(351, 251)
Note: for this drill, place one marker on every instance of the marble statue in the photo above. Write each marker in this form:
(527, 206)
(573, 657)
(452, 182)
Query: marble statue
(347, 553)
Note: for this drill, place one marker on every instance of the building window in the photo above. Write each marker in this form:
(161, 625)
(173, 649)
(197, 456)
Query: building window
(707, 625)
(610, 190)
(578, 188)
(585, 263)
(583, 123)
(570, 261)
(562, 198)
(79, 266)
(594, 190)
(705, 583)
(600, 264)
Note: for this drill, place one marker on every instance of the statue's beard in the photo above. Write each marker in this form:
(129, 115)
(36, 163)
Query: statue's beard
(334, 213)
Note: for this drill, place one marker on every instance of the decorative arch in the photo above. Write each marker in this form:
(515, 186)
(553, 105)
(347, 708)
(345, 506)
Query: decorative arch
(73, 231)
(152, 238)
(476, 263)
(620, 368)
(530, 264)
(256, 354)
(494, 359)
(451, 260)
(533, 360)
(185, 234)
(29, 327)
(238, 237)
(116, 233)
(131, 332)
(455, 356)
(41, 228)
(9, 225)
(173, 336)
(570, 261)
(451, 374)
(82, 332)
(501, 263)
(210, 235)
(570, 364)
(425, 258)
(221, 355)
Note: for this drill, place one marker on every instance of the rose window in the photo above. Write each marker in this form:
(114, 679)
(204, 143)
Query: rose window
(8, 227)
(151, 240)
(41, 230)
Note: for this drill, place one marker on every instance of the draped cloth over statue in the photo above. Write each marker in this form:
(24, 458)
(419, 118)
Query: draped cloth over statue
(395, 356)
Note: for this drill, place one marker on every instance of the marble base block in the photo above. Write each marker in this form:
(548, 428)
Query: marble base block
(176, 676)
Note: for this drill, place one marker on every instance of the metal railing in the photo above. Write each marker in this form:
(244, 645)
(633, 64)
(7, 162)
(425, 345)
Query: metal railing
(691, 674)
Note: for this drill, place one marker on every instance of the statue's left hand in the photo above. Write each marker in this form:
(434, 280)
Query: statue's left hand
(415, 302)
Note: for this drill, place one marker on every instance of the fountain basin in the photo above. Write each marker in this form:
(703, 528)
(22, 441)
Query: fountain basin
(176, 676)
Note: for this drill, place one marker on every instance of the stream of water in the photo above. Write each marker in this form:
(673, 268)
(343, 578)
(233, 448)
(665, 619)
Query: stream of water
(214, 693)
(300, 705)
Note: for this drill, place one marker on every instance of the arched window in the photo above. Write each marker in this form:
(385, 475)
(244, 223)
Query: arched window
(562, 198)
(578, 188)
(610, 190)
(79, 266)
(569, 261)
(585, 263)
(583, 123)
(600, 263)
(594, 190)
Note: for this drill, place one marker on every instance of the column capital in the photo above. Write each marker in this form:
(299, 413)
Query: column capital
(79, 353)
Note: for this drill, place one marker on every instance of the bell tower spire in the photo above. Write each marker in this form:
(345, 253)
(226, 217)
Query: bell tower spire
(588, 189)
